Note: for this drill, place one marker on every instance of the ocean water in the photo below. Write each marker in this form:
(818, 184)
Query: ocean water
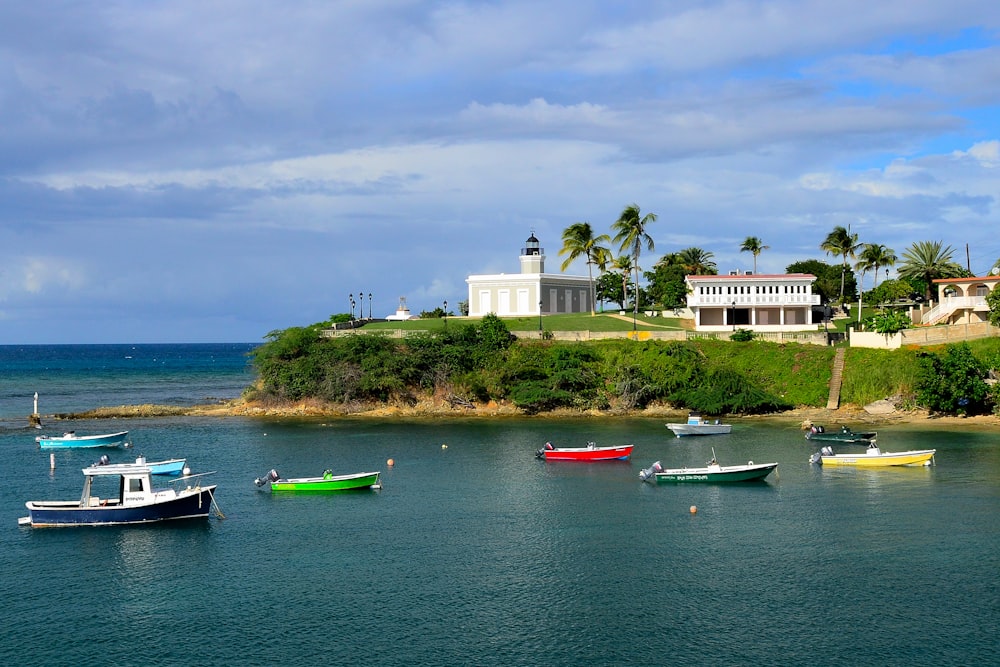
(476, 553)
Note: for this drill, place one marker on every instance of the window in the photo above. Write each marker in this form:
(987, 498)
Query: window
(135, 485)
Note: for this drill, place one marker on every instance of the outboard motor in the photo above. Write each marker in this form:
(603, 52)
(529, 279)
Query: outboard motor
(103, 461)
(268, 477)
(826, 451)
(815, 458)
(540, 454)
(649, 473)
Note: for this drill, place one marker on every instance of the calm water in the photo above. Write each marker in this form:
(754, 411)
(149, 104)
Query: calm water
(478, 554)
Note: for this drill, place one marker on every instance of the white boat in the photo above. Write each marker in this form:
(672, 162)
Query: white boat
(697, 425)
(874, 458)
(131, 499)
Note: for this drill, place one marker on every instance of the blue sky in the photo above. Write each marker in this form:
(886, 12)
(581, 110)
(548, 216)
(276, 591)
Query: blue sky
(213, 171)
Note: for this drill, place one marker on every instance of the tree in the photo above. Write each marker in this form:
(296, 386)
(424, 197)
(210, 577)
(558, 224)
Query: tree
(993, 301)
(696, 262)
(871, 257)
(630, 233)
(828, 278)
(665, 283)
(755, 246)
(840, 243)
(926, 261)
(609, 288)
(579, 240)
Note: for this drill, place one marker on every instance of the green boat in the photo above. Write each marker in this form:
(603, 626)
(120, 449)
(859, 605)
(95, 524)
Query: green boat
(712, 473)
(325, 484)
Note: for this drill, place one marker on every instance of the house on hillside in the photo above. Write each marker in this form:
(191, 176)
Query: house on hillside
(781, 302)
(961, 300)
(530, 292)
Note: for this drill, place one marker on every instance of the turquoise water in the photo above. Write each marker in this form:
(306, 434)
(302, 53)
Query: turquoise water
(479, 554)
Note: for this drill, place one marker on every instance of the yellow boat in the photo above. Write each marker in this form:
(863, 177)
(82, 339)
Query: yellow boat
(874, 458)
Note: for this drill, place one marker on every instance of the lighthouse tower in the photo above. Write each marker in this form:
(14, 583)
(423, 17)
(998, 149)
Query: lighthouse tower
(532, 256)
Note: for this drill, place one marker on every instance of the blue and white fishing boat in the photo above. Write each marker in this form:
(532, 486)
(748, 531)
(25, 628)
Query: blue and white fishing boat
(70, 440)
(130, 500)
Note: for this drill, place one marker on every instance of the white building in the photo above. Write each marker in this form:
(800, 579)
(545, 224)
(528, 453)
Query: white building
(780, 302)
(530, 292)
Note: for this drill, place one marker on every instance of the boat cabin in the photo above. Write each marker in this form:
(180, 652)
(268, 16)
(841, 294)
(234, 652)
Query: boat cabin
(135, 485)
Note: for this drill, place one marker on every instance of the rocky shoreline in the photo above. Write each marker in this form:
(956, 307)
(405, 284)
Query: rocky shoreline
(878, 413)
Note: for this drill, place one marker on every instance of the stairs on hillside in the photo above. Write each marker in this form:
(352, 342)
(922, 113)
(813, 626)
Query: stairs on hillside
(836, 377)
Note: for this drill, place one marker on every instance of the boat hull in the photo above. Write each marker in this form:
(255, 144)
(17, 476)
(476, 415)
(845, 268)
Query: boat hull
(354, 482)
(82, 441)
(170, 467)
(721, 475)
(700, 429)
(619, 453)
(922, 457)
(188, 504)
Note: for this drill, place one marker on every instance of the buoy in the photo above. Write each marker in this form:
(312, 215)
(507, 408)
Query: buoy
(444, 446)
(694, 509)
(390, 463)
(52, 461)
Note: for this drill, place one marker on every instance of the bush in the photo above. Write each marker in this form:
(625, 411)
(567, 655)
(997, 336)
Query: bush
(741, 336)
(953, 383)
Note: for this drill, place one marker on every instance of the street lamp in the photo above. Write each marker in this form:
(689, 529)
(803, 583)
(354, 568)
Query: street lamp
(351, 299)
(446, 315)
(539, 318)
(369, 305)
(734, 316)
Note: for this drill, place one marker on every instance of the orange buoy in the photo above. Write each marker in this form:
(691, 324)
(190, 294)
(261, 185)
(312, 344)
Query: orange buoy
(694, 509)
(390, 462)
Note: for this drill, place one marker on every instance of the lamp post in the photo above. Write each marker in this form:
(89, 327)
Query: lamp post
(539, 318)
(350, 297)
(446, 315)
(361, 305)
(734, 316)
(369, 305)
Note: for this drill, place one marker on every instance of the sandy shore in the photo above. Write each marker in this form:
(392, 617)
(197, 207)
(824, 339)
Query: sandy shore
(880, 413)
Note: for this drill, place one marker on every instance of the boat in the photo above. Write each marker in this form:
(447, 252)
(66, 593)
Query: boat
(589, 453)
(70, 440)
(712, 473)
(697, 425)
(167, 467)
(132, 499)
(328, 482)
(845, 434)
(874, 458)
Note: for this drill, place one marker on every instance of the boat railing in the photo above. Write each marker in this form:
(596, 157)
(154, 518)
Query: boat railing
(187, 478)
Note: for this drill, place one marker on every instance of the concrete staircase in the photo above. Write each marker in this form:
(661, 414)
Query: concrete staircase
(836, 377)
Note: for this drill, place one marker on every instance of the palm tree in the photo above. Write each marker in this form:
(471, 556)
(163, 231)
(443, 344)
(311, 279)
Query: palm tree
(578, 239)
(754, 245)
(696, 261)
(623, 263)
(927, 261)
(868, 259)
(840, 242)
(882, 257)
(630, 233)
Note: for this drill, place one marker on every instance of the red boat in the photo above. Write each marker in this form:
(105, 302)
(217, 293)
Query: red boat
(589, 453)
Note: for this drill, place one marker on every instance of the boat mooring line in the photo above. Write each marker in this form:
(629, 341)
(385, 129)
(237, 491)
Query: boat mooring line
(215, 505)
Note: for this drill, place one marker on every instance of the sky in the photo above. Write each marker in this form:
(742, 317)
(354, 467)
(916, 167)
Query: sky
(216, 171)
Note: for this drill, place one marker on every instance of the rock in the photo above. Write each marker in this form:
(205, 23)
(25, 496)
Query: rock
(882, 407)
